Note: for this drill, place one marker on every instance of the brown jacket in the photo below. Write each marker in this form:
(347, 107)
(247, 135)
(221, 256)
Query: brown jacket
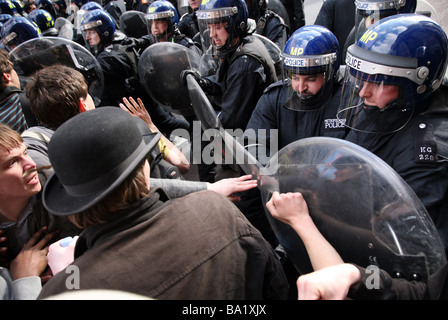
(196, 247)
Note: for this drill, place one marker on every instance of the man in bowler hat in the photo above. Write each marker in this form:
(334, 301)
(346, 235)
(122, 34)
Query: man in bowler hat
(137, 240)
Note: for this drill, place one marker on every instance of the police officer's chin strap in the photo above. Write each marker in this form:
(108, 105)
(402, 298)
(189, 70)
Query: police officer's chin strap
(318, 100)
(164, 36)
(398, 104)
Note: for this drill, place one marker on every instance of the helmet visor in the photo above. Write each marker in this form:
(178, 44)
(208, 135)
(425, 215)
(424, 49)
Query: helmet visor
(370, 11)
(311, 80)
(374, 103)
(215, 27)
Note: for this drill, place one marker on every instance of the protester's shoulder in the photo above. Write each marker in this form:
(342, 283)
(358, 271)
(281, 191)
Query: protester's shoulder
(210, 203)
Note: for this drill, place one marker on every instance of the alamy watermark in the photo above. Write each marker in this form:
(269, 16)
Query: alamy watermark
(228, 146)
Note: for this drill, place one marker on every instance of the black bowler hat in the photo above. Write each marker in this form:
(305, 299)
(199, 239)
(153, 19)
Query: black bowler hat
(92, 154)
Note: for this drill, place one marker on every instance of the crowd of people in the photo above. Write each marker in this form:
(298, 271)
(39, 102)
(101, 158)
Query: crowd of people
(92, 181)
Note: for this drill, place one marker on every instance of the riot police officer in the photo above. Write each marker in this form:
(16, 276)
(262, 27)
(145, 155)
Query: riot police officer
(162, 19)
(370, 11)
(267, 22)
(98, 29)
(44, 21)
(396, 107)
(18, 30)
(245, 68)
(302, 105)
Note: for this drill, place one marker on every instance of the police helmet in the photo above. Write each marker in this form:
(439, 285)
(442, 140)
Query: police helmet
(44, 21)
(8, 7)
(102, 23)
(18, 30)
(311, 50)
(232, 12)
(407, 50)
(19, 6)
(4, 17)
(162, 9)
(386, 8)
(89, 6)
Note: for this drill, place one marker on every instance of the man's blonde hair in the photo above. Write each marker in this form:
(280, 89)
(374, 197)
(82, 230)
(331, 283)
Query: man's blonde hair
(9, 138)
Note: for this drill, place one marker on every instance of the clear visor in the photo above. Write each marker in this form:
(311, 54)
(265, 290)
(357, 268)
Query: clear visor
(90, 35)
(311, 83)
(369, 12)
(160, 15)
(10, 41)
(182, 7)
(211, 23)
(373, 103)
(158, 24)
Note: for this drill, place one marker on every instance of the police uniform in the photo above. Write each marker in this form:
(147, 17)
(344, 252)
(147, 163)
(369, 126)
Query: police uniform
(188, 25)
(243, 74)
(419, 154)
(116, 69)
(271, 113)
(292, 125)
(272, 26)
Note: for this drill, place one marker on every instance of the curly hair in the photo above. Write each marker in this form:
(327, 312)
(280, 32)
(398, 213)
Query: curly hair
(54, 93)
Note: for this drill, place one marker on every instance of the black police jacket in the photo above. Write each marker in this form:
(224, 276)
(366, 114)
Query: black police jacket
(116, 69)
(271, 113)
(243, 74)
(419, 154)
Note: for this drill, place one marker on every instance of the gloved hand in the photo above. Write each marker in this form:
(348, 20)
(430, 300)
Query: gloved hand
(195, 73)
(137, 43)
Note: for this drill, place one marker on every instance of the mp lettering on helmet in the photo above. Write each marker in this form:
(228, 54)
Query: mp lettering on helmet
(295, 51)
(151, 9)
(368, 36)
(204, 2)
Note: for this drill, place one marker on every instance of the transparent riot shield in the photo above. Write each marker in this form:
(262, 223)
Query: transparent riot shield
(232, 150)
(134, 24)
(39, 53)
(65, 28)
(360, 205)
(358, 202)
(160, 68)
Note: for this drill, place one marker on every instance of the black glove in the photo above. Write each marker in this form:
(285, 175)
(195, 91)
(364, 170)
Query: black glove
(137, 43)
(195, 73)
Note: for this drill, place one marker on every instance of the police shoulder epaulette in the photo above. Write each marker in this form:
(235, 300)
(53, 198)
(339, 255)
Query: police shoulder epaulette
(425, 143)
(277, 84)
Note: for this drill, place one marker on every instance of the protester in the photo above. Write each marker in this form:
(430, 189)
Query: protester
(214, 245)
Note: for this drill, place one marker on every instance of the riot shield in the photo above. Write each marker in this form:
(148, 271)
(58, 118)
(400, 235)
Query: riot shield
(358, 202)
(233, 150)
(39, 53)
(159, 68)
(65, 28)
(134, 24)
(360, 205)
